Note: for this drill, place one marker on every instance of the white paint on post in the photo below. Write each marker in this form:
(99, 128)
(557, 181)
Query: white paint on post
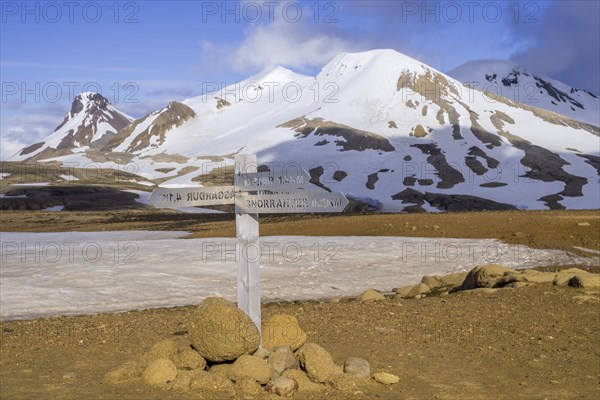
(248, 250)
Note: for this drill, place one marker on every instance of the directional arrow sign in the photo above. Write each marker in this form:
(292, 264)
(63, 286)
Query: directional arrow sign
(272, 180)
(290, 201)
(190, 197)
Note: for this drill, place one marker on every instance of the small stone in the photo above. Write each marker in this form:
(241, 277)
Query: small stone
(160, 372)
(282, 358)
(583, 223)
(370, 295)
(357, 367)
(250, 367)
(282, 386)
(564, 276)
(317, 362)
(126, 372)
(386, 378)
(282, 329)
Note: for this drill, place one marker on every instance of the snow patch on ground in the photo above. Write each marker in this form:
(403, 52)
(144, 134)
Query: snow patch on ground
(90, 272)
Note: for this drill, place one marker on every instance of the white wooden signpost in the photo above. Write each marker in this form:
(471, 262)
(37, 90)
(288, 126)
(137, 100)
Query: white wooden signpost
(253, 193)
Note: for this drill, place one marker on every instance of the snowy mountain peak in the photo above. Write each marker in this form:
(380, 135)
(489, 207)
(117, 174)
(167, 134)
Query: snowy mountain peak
(515, 82)
(90, 118)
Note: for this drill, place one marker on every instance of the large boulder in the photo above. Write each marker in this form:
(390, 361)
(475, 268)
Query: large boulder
(221, 332)
(160, 372)
(317, 362)
(485, 276)
(369, 296)
(528, 275)
(252, 367)
(587, 281)
(281, 330)
(564, 276)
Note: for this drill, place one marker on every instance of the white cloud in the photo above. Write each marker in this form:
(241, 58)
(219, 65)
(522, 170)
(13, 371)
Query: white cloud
(297, 45)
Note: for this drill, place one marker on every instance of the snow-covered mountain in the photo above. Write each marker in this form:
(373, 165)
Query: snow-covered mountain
(90, 120)
(379, 126)
(510, 80)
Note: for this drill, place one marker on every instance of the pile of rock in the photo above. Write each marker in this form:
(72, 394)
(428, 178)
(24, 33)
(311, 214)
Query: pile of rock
(489, 277)
(224, 359)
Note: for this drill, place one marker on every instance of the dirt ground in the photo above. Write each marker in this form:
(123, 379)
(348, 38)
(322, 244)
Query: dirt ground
(531, 342)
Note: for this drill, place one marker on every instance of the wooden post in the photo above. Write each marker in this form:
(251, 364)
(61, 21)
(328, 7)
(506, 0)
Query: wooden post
(248, 251)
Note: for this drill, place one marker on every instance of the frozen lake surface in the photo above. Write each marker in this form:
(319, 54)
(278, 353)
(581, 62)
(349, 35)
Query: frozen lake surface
(66, 273)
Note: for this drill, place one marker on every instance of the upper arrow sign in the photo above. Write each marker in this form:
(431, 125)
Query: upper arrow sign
(272, 180)
(290, 201)
(190, 197)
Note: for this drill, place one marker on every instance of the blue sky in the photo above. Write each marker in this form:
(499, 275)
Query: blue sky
(142, 54)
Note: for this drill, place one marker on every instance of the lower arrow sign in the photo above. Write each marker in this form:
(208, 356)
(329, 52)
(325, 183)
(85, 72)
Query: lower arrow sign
(290, 201)
(190, 197)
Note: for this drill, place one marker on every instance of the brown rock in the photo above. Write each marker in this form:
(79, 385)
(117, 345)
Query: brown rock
(587, 280)
(357, 367)
(418, 290)
(343, 382)
(282, 329)
(160, 372)
(220, 331)
(203, 381)
(221, 369)
(386, 378)
(282, 358)
(432, 282)
(564, 276)
(188, 359)
(250, 367)
(317, 362)
(248, 388)
(453, 280)
(183, 381)
(282, 386)
(531, 276)
(370, 295)
(163, 349)
(304, 382)
(403, 291)
(126, 372)
(484, 276)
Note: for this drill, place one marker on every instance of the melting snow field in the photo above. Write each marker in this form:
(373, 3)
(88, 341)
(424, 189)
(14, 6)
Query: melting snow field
(46, 274)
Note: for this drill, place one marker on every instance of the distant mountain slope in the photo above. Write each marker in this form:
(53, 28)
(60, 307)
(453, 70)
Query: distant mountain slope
(512, 81)
(382, 127)
(91, 118)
